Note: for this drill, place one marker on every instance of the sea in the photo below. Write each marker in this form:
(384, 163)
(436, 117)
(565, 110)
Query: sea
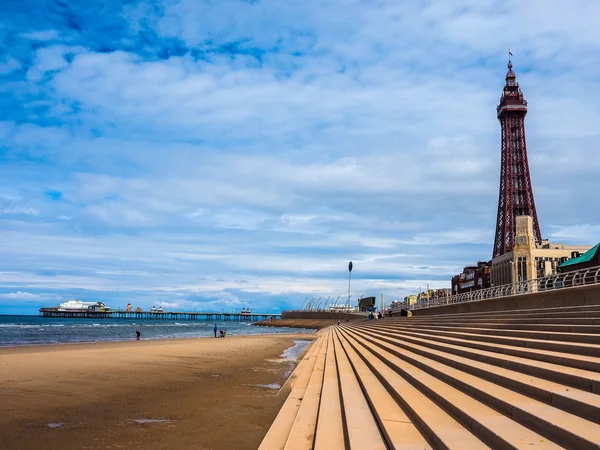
(36, 330)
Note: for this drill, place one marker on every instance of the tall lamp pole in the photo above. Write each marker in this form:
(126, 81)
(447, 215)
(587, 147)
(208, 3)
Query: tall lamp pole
(349, 276)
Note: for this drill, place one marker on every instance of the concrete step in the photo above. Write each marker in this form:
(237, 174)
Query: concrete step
(440, 428)
(528, 334)
(398, 430)
(588, 363)
(278, 433)
(523, 379)
(330, 428)
(360, 425)
(578, 378)
(493, 427)
(561, 427)
(586, 320)
(304, 361)
(560, 328)
(586, 310)
(575, 401)
(530, 362)
(500, 338)
(302, 433)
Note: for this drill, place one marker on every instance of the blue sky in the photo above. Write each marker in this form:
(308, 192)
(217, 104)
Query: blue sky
(220, 155)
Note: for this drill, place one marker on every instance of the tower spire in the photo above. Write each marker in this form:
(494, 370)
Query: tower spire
(516, 193)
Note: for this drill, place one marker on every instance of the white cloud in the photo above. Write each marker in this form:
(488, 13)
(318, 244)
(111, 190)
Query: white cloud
(45, 35)
(8, 65)
(580, 233)
(20, 296)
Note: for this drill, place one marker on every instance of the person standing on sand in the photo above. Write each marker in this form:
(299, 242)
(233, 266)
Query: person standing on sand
(137, 335)
(215, 330)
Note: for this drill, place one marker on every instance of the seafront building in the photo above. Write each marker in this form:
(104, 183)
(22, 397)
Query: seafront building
(529, 259)
(411, 299)
(589, 259)
(472, 278)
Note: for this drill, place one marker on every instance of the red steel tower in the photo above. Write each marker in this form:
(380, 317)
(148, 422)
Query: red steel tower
(516, 194)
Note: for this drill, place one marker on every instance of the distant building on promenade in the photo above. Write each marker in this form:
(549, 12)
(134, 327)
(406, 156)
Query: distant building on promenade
(589, 259)
(366, 304)
(445, 292)
(529, 259)
(424, 296)
(411, 299)
(472, 278)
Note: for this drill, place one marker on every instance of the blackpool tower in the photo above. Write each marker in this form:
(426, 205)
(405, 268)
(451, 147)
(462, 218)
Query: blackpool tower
(516, 194)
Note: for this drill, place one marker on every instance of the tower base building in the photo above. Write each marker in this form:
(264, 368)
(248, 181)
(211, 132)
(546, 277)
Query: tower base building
(529, 259)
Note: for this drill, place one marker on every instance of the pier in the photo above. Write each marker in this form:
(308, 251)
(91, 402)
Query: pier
(159, 315)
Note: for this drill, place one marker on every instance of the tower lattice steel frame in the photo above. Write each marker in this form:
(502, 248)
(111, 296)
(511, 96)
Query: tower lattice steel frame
(516, 194)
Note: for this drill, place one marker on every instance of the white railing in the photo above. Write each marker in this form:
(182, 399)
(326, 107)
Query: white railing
(576, 278)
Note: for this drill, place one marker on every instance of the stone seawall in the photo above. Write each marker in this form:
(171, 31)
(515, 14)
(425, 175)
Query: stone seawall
(313, 324)
(322, 315)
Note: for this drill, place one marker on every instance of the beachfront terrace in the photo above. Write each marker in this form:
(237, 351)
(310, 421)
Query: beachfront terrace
(527, 378)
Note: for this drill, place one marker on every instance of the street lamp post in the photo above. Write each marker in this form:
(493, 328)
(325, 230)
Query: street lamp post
(350, 265)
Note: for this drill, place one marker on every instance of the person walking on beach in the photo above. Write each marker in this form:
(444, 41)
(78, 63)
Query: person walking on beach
(215, 330)
(137, 335)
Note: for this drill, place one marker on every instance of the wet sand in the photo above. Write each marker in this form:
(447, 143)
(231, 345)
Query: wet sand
(174, 394)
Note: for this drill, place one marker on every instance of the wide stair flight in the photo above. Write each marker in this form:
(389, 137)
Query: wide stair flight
(500, 380)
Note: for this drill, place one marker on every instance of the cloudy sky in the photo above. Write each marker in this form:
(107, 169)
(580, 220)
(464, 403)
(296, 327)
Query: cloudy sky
(225, 154)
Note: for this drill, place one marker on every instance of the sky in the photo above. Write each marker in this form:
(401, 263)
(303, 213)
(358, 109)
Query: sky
(215, 155)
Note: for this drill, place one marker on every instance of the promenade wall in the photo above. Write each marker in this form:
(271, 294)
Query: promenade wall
(296, 315)
(574, 296)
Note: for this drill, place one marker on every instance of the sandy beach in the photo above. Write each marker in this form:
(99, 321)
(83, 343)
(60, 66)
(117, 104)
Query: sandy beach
(173, 394)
